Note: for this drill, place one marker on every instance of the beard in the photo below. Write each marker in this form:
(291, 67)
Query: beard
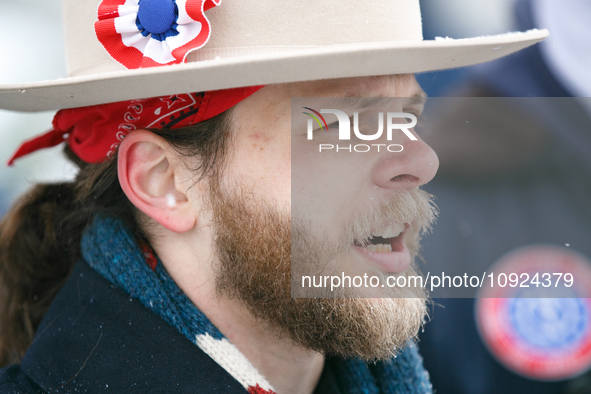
(254, 245)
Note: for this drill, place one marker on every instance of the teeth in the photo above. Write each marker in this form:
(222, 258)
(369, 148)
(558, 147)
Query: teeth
(391, 231)
(379, 248)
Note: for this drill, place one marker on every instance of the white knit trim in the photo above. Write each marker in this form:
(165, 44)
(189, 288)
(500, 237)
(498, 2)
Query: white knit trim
(230, 358)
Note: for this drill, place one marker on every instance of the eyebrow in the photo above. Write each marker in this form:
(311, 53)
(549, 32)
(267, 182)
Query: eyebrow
(360, 103)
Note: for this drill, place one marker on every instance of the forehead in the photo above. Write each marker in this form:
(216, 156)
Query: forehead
(272, 103)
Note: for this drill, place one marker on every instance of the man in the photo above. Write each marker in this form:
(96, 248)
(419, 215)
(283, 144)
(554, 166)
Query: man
(191, 211)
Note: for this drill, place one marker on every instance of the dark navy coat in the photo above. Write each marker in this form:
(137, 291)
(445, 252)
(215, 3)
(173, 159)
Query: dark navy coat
(96, 339)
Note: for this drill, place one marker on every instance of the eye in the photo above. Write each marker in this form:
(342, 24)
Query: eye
(334, 126)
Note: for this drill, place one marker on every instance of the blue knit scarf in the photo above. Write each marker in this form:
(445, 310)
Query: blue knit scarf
(110, 248)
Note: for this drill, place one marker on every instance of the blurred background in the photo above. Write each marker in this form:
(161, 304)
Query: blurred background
(33, 53)
(513, 187)
(504, 188)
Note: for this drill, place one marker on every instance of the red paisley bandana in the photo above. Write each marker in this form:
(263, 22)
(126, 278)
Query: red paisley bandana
(94, 133)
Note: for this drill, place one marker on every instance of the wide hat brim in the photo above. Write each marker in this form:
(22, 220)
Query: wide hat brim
(338, 61)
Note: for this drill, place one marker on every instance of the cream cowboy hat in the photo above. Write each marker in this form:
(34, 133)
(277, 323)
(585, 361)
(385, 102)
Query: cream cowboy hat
(126, 49)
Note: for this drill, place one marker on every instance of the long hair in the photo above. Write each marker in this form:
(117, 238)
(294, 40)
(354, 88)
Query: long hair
(41, 233)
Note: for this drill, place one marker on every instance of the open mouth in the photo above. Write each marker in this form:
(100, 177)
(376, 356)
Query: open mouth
(384, 240)
(385, 248)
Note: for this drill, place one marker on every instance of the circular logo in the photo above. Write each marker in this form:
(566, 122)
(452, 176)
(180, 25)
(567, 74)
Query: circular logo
(534, 312)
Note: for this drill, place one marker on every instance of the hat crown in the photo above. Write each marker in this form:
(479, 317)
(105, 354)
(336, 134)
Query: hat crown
(240, 27)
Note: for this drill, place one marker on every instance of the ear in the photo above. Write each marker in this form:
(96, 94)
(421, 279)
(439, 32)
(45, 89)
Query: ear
(149, 173)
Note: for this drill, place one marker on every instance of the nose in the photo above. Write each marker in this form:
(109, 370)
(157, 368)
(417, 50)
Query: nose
(414, 166)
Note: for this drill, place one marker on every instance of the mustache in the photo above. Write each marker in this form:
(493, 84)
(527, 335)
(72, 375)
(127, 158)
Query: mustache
(414, 207)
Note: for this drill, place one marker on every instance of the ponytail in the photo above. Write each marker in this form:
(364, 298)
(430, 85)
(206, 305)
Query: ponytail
(36, 255)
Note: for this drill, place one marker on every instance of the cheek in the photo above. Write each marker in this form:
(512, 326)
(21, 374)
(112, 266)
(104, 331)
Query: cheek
(327, 187)
(263, 164)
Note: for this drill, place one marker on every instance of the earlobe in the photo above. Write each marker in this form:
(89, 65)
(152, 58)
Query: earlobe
(147, 170)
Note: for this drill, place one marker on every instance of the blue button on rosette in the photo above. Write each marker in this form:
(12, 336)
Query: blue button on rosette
(157, 18)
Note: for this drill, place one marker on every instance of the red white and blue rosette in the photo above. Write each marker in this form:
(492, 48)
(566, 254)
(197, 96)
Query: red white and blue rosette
(148, 33)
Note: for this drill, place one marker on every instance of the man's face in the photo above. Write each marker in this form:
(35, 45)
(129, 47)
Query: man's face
(277, 205)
